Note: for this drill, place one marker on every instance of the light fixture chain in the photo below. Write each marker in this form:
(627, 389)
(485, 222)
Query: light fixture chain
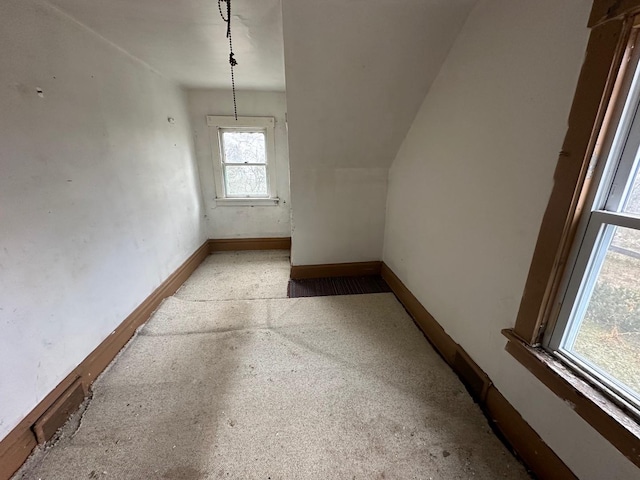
(232, 60)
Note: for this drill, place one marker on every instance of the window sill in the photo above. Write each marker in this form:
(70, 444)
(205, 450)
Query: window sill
(247, 202)
(612, 422)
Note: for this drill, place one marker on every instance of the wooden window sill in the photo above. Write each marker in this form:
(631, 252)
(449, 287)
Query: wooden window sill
(611, 421)
(247, 202)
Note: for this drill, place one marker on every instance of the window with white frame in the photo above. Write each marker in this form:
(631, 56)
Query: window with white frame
(597, 328)
(244, 160)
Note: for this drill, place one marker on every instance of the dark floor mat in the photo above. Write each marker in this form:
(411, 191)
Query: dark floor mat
(320, 287)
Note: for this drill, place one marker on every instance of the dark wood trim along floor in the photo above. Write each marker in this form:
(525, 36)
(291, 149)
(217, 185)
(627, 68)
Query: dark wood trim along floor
(237, 244)
(525, 442)
(358, 269)
(16, 447)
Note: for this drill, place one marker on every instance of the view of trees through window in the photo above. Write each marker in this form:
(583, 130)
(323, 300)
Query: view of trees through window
(246, 180)
(245, 171)
(609, 335)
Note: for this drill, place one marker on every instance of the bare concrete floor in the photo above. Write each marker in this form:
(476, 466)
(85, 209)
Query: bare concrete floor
(229, 379)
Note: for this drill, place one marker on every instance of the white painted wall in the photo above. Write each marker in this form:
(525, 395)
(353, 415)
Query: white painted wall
(224, 221)
(99, 197)
(468, 189)
(356, 73)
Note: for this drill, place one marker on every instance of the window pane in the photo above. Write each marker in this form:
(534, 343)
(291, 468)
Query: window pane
(609, 334)
(633, 200)
(246, 180)
(244, 147)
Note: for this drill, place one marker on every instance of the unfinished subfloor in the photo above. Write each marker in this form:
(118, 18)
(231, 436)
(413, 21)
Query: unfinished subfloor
(231, 379)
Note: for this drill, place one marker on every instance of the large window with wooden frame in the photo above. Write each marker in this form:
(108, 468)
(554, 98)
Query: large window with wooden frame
(578, 327)
(596, 330)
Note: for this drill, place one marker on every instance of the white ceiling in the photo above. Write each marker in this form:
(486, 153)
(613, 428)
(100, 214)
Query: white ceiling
(185, 39)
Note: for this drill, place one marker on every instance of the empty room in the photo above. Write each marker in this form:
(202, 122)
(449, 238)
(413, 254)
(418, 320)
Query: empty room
(298, 239)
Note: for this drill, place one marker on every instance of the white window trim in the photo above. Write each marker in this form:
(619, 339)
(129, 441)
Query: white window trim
(215, 123)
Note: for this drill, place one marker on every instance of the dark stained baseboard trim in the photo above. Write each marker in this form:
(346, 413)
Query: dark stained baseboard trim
(515, 431)
(237, 244)
(16, 447)
(335, 270)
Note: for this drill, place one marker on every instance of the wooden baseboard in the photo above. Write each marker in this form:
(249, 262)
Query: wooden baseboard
(16, 447)
(237, 244)
(14, 450)
(524, 441)
(514, 430)
(335, 270)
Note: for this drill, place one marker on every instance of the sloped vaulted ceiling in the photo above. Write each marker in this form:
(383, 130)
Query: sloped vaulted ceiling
(357, 71)
(185, 39)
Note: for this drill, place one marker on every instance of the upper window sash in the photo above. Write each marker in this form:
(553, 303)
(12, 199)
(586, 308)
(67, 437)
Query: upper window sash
(622, 162)
(223, 155)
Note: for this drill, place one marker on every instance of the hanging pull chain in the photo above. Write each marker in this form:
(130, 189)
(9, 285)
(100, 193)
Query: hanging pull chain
(232, 60)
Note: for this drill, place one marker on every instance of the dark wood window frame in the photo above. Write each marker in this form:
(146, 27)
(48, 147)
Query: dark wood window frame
(612, 24)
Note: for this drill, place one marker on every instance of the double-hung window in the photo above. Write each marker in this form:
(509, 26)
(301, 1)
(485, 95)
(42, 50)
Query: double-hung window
(598, 325)
(578, 326)
(243, 158)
